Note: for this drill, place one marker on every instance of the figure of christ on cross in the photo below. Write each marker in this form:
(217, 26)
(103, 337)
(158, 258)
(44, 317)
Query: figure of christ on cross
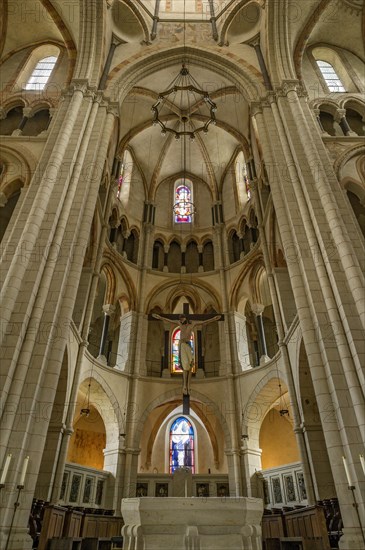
(186, 353)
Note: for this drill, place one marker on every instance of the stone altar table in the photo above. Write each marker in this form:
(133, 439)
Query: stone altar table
(192, 523)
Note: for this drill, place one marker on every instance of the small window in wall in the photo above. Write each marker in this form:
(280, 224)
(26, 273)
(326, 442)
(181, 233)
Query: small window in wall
(181, 448)
(41, 73)
(330, 76)
(175, 356)
(183, 201)
(242, 181)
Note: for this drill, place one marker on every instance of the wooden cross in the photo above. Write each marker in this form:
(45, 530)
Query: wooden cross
(192, 317)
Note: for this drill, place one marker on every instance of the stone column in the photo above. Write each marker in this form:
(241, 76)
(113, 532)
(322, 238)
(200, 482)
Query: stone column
(251, 457)
(317, 113)
(200, 252)
(108, 310)
(127, 339)
(183, 256)
(130, 472)
(281, 324)
(257, 309)
(155, 20)
(114, 462)
(243, 354)
(126, 235)
(340, 117)
(228, 359)
(27, 114)
(166, 249)
(241, 243)
(329, 321)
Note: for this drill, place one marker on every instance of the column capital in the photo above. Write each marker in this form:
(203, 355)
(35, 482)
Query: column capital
(257, 309)
(291, 85)
(339, 115)
(108, 309)
(28, 112)
(256, 108)
(113, 108)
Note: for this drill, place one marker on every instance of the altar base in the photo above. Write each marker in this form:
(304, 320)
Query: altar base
(192, 523)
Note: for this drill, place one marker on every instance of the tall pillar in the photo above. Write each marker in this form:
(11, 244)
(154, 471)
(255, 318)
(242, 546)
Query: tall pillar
(200, 252)
(281, 324)
(56, 215)
(108, 310)
(258, 310)
(313, 216)
(114, 462)
(183, 258)
(166, 249)
(251, 457)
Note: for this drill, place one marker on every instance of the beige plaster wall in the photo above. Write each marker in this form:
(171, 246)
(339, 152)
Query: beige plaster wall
(277, 441)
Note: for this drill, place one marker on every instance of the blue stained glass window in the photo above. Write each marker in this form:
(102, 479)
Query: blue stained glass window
(181, 445)
(175, 359)
(182, 205)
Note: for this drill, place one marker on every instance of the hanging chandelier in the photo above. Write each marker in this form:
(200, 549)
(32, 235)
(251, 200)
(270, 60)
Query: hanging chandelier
(85, 407)
(186, 86)
(283, 410)
(182, 98)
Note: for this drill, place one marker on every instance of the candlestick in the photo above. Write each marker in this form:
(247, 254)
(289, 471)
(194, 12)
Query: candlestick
(24, 471)
(347, 471)
(362, 462)
(6, 469)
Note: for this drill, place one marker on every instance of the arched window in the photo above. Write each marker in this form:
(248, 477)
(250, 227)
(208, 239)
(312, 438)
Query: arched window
(183, 201)
(41, 73)
(181, 448)
(242, 181)
(125, 177)
(330, 76)
(175, 359)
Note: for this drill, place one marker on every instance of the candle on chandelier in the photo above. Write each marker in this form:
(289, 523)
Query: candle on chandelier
(5, 469)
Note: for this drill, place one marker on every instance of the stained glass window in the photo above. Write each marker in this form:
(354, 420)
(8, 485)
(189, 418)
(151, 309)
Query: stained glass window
(41, 73)
(246, 181)
(175, 359)
(181, 445)
(331, 77)
(182, 204)
(242, 181)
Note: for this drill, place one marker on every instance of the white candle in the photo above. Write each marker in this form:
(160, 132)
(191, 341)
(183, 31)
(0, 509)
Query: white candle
(362, 462)
(6, 469)
(347, 471)
(24, 471)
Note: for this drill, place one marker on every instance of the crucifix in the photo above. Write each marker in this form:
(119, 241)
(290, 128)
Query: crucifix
(187, 323)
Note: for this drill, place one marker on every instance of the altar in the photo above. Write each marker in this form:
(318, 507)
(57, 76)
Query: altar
(175, 523)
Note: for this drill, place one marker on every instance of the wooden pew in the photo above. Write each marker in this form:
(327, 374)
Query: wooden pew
(95, 526)
(52, 524)
(310, 524)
